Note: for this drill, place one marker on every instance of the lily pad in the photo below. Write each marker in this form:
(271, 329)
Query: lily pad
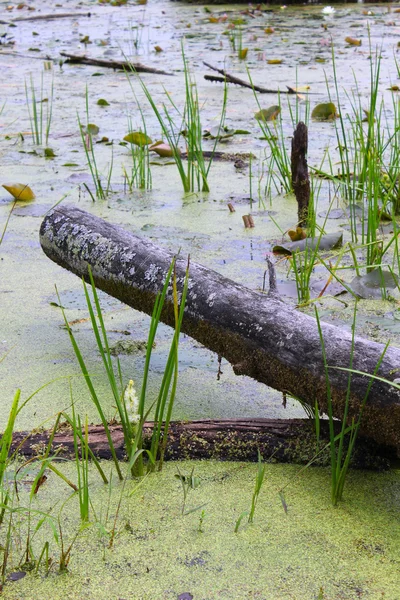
(268, 114)
(222, 133)
(19, 191)
(325, 242)
(371, 284)
(138, 138)
(92, 128)
(324, 112)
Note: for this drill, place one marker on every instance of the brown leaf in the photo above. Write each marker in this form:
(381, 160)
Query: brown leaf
(352, 41)
(296, 234)
(19, 191)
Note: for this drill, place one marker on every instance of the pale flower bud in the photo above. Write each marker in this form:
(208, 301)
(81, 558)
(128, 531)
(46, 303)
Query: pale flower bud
(132, 403)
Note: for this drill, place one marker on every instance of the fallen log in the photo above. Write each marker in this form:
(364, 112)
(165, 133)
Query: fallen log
(117, 65)
(260, 336)
(278, 440)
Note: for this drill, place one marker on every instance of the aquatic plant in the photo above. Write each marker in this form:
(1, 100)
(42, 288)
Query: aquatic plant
(131, 411)
(257, 489)
(82, 464)
(188, 483)
(140, 176)
(339, 455)
(40, 122)
(87, 131)
(195, 174)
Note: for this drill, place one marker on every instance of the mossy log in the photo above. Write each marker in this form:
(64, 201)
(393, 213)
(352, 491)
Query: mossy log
(279, 440)
(259, 335)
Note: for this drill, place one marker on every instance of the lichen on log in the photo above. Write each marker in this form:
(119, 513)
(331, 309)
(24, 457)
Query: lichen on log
(260, 336)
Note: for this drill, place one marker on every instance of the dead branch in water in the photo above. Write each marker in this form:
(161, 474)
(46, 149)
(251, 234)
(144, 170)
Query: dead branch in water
(237, 81)
(120, 65)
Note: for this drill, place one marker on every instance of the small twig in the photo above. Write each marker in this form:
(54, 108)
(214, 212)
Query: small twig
(273, 288)
(122, 65)
(28, 56)
(52, 17)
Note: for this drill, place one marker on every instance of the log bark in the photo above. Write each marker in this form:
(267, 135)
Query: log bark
(259, 335)
(278, 440)
(300, 178)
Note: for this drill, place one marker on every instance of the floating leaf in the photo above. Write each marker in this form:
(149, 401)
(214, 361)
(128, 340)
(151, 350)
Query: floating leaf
(372, 284)
(90, 128)
(138, 138)
(222, 133)
(274, 61)
(324, 112)
(102, 102)
(325, 242)
(269, 30)
(49, 153)
(163, 149)
(296, 234)
(352, 41)
(19, 191)
(268, 114)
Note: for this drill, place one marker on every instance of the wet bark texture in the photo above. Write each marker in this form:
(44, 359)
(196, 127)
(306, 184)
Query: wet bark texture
(234, 439)
(260, 336)
(300, 178)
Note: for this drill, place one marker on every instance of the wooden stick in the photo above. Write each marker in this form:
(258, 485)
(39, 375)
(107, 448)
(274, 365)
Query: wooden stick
(300, 178)
(52, 17)
(236, 80)
(122, 65)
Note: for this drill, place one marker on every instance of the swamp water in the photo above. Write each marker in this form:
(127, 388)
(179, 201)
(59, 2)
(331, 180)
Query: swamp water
(314, 551)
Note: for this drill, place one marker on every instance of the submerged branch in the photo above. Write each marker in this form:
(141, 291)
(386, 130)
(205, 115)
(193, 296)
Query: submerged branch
(122, 65)
(237, 81)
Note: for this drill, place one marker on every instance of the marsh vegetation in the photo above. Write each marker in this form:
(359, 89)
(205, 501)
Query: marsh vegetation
(164, 155)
